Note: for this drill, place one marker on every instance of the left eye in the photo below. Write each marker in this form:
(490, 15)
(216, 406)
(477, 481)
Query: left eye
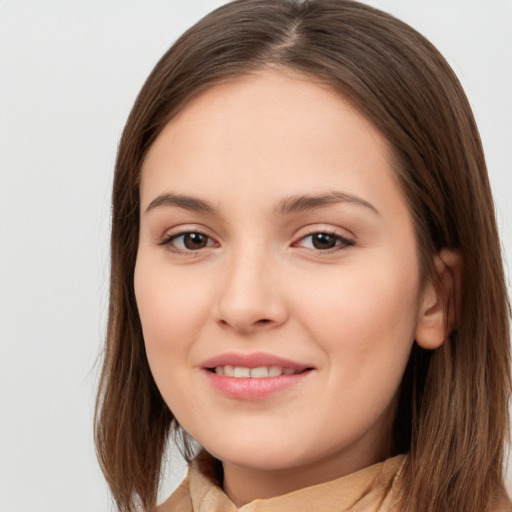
(324, 241)
(192, 241)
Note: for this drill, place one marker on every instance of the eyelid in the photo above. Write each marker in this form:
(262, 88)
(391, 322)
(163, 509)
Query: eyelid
(325, 227)
(174, 233)
(181, 229)
(346, 241)
(169, 238)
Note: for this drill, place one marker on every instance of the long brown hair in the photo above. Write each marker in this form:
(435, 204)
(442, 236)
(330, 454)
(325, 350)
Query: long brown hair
(452, 417)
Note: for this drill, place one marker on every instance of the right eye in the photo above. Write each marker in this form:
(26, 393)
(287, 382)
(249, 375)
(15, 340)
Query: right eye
(188, 241)
(325, 241)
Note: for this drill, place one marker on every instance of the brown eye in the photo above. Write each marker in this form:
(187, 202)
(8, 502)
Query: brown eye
(189, 241)
(324, 241)
(194, 241)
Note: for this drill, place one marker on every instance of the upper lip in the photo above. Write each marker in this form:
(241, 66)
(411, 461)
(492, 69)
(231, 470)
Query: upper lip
(254, 360)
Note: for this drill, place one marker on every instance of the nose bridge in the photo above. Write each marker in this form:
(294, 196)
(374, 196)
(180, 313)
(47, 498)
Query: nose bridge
(250, 297)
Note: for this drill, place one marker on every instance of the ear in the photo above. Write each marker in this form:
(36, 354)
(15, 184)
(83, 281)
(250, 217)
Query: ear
(440, 304)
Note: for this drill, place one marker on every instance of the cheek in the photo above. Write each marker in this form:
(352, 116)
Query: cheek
(172, 308)
(364, 324)
(364, 315)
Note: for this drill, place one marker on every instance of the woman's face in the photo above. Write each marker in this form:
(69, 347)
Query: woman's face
(277, 249)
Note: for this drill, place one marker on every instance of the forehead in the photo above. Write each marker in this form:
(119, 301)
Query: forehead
(280, 133)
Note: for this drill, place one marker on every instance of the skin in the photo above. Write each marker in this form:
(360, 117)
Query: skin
(258, 284)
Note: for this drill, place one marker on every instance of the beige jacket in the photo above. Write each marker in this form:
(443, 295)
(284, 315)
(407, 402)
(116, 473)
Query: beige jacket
(373, 489)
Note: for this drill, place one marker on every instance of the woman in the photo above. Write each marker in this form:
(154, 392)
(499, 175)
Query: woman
(306, 274)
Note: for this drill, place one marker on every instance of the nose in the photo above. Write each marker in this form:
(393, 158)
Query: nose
(251, 298)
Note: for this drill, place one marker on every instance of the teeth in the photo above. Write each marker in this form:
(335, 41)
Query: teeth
(258, 373)
(254, 373)
(275, 371)
(240, 371)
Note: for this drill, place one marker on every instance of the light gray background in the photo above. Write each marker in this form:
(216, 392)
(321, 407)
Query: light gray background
(69, 72)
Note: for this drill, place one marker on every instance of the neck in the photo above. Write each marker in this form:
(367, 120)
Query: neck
(243, 484)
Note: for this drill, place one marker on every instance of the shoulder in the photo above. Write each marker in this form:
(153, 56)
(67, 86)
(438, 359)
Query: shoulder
(178, 501)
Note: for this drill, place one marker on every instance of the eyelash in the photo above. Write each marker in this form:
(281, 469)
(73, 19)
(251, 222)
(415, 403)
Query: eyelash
(341, 242)
(168, 241)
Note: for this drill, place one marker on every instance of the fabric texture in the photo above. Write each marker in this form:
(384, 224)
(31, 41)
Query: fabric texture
(373, 489)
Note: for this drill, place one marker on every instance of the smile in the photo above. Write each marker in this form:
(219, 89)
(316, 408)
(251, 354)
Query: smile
(255, 376)
(261, 372)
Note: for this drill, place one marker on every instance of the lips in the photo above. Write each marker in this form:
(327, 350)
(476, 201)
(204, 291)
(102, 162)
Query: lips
(260, 372)
(253, 376)
(255, 360)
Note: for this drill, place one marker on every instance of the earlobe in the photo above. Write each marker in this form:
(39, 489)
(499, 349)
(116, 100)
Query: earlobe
(440, 304)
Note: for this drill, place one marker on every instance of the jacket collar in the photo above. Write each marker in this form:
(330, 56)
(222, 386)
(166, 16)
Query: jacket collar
(372, 489)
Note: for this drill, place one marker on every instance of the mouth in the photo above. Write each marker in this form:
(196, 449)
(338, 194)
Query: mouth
(254, 376)
(260, 372)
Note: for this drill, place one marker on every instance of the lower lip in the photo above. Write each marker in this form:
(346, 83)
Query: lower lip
(254, 389)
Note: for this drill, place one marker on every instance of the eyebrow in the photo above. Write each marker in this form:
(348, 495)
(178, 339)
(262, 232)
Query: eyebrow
(181, 201)
(296, 204)
(286, 206)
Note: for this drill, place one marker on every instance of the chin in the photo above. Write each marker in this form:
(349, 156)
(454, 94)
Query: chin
(259, 461)
(262, 455)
